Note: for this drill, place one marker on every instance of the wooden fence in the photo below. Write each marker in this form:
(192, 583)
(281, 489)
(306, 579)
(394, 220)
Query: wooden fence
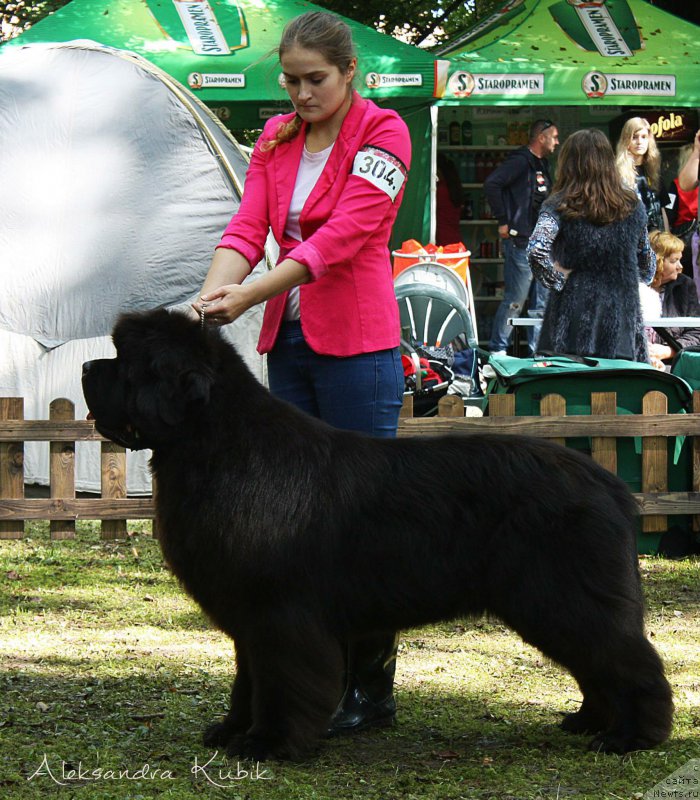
(603, 426)
(62, 508)
(114, 508)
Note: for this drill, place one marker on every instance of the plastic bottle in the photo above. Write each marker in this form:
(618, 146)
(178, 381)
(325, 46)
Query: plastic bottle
(463, 167)
(455, 131)
(524, 130)
(442, 136)
(479, 167)
(471, 167)
(466, 132)
(468, 208)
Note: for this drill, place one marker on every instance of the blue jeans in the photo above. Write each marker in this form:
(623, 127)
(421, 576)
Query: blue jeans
(519, 287)
(359, 393)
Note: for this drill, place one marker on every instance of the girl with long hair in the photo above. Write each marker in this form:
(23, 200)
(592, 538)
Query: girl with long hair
(590, 246)
(639, 164)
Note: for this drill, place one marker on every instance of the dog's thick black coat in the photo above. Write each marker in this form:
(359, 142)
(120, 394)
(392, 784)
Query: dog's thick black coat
(295, 537)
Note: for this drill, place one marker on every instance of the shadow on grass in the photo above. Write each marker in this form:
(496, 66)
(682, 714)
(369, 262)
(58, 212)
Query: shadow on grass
(145, 609)
(170, 707)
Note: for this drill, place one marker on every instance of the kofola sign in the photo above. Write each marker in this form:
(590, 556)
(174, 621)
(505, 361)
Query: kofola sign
(465, 84)
(670, 125)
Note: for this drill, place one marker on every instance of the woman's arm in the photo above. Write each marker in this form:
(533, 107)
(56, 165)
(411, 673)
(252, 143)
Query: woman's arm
(248, 229)
(224, 299)
(539, 252)
(688, 176)
(646, 259)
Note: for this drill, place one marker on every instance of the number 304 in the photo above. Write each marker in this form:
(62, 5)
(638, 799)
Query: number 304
(378, 169)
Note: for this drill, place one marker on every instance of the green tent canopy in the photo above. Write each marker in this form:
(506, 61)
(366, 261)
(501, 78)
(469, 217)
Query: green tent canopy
(576, 52)
(224, 52)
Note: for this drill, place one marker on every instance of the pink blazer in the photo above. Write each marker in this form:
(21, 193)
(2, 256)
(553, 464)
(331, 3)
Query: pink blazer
(348, 307)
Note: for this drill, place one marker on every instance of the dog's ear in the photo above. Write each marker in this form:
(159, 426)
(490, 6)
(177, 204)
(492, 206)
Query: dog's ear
(173, 397)
(195, 386)
(180, 397)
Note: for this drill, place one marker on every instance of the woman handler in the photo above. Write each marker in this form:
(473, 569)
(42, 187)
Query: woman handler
(328, 180)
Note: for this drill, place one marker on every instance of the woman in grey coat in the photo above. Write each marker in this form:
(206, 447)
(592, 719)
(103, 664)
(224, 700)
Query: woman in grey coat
(590, 246)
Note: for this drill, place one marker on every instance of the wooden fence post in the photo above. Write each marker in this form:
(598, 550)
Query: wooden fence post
(12, 467)
(62, 468)
(554, 405)
(604, 448)
(502, 405)
(654, 461)
(406, 407)
(451, 405)
(113, 463)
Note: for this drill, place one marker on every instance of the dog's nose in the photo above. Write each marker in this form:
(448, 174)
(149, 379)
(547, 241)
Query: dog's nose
(86, 367)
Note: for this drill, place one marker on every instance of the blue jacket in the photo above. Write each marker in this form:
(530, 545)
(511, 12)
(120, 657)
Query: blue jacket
(515, 191)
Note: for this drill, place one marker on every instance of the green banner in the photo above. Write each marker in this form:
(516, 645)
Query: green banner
(576, 52)
(224, 50)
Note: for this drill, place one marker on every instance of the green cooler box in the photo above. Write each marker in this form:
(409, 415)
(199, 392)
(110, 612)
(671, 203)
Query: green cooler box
(531, 379)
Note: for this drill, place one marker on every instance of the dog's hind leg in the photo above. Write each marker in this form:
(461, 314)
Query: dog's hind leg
(639, 697)
(229, 732)
(626, 698)
(296, 672)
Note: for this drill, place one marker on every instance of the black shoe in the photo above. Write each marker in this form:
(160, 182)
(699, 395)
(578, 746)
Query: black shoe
(357, 713)
(368, 700)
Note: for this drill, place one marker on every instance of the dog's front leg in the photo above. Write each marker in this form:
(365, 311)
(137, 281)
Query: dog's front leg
(230, 731)
(296, 675)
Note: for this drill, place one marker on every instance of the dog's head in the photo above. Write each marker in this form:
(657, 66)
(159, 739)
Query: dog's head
(154, 391)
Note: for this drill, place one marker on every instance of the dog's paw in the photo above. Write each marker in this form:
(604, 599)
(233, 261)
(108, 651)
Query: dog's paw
(221, 734)
(274, 745)
(258, 747)
(623, 741)
(616, 742)
(579, 722)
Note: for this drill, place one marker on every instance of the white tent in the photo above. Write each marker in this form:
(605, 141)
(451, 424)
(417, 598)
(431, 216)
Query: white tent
(115, 186)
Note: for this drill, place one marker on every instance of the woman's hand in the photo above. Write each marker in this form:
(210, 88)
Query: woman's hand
(225, 304)
(662, 352)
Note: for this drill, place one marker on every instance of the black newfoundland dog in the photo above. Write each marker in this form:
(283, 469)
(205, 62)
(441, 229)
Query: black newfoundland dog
(295, 537)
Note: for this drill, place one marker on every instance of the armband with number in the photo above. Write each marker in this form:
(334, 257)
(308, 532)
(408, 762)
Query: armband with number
(381, 168)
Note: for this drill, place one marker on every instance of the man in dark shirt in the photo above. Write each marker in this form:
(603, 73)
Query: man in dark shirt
(515, 191)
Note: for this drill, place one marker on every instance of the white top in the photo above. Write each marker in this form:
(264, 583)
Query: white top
(650, 301)
(310, 169)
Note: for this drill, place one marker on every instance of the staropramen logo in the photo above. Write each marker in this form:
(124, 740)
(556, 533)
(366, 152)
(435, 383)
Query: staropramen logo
(202, 28)
(610, 28)
(601, 27)
(600, 84)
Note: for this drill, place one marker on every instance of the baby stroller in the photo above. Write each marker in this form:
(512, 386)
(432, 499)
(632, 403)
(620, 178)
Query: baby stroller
(438, 332)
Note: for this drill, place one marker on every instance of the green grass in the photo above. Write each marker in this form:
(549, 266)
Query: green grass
(106, 665)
